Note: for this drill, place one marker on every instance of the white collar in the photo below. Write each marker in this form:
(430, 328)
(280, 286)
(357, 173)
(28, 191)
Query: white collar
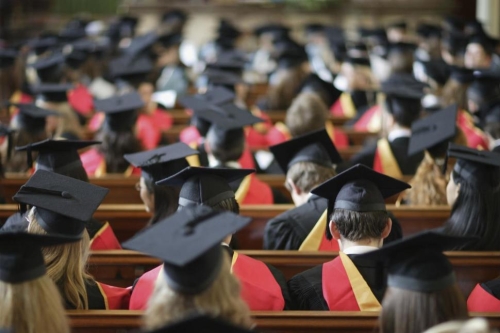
(212, 162)
(398, 133)
(359, 249)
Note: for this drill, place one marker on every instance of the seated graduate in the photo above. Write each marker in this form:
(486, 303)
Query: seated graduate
(390, 155)
(308, 161)
(202, 323)
(360, 223)
(173, 74)
(492, 130)
(195, 277)
(473, 194)
(479, 52)
(483, 95)
(263, 286)
(117, 135)
(228, 37)
(432, 135)
(61, 205)
(61, 156)
(262, 62)
(30, 300)
(158, 164)
(422, 289)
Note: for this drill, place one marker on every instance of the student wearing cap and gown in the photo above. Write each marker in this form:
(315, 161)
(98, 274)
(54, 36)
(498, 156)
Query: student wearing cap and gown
(117, 135)
(480, 52)
(173, 74)
(348, 283)
(61, 156)
(227, 38)
(158, 164)
(263, 286)
(472, 193)
(31, 301)
(390, 155)
(292, 229)
(483, 95)
(422, 289)
(195, 276)
(261, 61)
(61, 205)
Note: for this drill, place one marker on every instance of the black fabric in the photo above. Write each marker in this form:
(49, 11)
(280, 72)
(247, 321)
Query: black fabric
(93, 226)
(94, 297)
(203, 155)
(306, 288)
(492, 287)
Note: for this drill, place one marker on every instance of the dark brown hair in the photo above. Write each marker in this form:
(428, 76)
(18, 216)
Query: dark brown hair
(355, 226)
(166, 200)
(18, 161)
(281, 95)
(114, 146)
(455, 92)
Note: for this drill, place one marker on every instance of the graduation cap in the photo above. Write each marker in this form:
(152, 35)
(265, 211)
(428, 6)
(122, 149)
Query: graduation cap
(325, 90)
(316, 147)
(461, 74)
(401, 48)
(473, 165)
(358, 61)
(31, 117)
(169, 40)
(189, 243)
(49, 69)
(163, 162)
(434, 131)
(174, 15)
(75, 59)
(71, 33)
(312, 28)
(227, 116)
(21, 257)
(200, 323)
(455, 43)
(53, 92)
(7, 58)
(121, 111)
(131, 70)
(229, 60)
(403, 86)
(398, 25)
(417, 262)
(205, 186)
(42, 44)
(217, 77)
(63, 204)
(359, 189)
(453, 24)
(436, 70)
(214, 96)
(141, 44)
(288, 53)
(227, 30)
(427, 30)
(59, 156)
(485, 89)
(276, 30)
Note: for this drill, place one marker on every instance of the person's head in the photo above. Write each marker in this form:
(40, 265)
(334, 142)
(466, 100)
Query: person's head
(453, 48)
(302, 177)
(473, 192)
(478, 54)
(307, 113)
(483, 93)
(358, 74)
(455, 89)
(396, 31)
(402, 111)
(225, 145)
(167, 49)
(401, 57)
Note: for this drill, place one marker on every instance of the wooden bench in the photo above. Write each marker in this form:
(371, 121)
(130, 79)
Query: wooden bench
(122, 267)
(126, 220)
(99, 321)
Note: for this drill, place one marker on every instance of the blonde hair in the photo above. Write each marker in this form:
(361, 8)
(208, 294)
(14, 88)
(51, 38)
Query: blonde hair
(222, 300)
(32, 306)
(66, 266)
(67, 121)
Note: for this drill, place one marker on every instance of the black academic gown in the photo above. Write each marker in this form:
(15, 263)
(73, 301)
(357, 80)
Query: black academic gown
(399, 148)
(288, 230)
(496, 149)
(306, 288)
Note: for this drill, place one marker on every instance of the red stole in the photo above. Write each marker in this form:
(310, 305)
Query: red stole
(253, 191)
(339, 138)
(148, 132)
(143, 289)
(370, 121)
(344, 289)
(482, 301)
(94, 164)
(115, 298)
(344, 106)
(105, 239)
(81, 100)
(475, 137)
(384, 160)
(316, 240)
(279, 133)
(259, 288)
(189, 135)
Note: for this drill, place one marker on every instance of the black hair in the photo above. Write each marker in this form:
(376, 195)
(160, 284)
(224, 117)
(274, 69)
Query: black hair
(355, 226)
(166, 200)
(201, 125)
(114, 146)
(404, 110)
(227, 145)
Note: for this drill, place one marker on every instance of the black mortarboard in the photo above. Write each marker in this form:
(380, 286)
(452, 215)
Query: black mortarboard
(189, 243)
(127, 25)
(169, 40)
(455, 43)
(453, 24)
(398, 25)
(214, 96)
(131, 70)
(200, 323)
(473, 165)
(229, 60)
(437, 70)
(358, 61)
(312, 28)
(359, 189)
(289, 53)
(227, 116)
(357, 49)
(486, 87)
(218, 77)
(485, 41)
(121, 111)
(163, 162)
(401, 47)
(69, 34)
(75, 58)
(7, 57)
(433, 131)
(205, 186)
(403, 86)
(49, 69)
(42, 44)
(427, 30)
(325, 90)
(417, 262)
(59, 156)
(174, 14)
(53, 92)
(141, 44)
(31, 117)
(315, 147)
(21, 257)
(63, 204)
(474, 27)
(275, 29)
(461, 74)
(227, 30)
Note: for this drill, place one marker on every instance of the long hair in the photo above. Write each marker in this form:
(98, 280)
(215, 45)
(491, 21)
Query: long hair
(476, 210)
(222, 300)
(413, 312)
(280, 96)
(166, 200)
(66, 266)
(68, 122)
(18, 161)
(32, 306)
(455, 92)
(114, 146)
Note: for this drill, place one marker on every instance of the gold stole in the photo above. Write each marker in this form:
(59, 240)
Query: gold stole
(313, 240)
(330, 129)
(104, 296)
(101, 170)
(389, 164)
(233, 260)
(364, 296)
(242, 191)
(283, 129)
(347, 105)
(193, 160)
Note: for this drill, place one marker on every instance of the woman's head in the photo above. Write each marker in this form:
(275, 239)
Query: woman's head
(114, 146)
(161, 201)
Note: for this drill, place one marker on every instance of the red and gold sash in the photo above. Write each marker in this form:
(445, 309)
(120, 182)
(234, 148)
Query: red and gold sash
(344, 106)
(316, 240)
(344, 288)
(277, 134)
(370, 121)
(339, 138)
(475, 137)
(143, 289)
(115, 298)
(482, 301)
(252, 191)
(384, 161)
(259, 288)
(105, 239)
(193, 160)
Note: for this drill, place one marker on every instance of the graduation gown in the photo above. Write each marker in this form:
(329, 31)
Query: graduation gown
(95, 165)
(349, 104)
(252, 191)
(81, 100)
(102, 236)
(101, 296)
(263, 286)
(338, 286)
(370, 121)
(485, 297)
(475, 137)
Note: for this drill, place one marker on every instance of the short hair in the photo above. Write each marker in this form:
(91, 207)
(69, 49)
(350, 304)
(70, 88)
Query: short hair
(307, 113)
(404, 110)
(355, 226)
(307, 175)
(227, 146)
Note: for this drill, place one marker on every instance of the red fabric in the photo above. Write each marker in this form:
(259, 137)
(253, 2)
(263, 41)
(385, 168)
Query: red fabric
(255, 139)
(162, 119)
(259, 193)
(328, 245)
(337, 289)
(336, 109)
(25, 98)
(148, 133)
(91, 160)
(118, 298)
(475, 137)
(362, 123)
(106, 240)
(96, 121)
(259, 288)
(276, 136)
(340, 139)
(482, 301)
(377, 162)
(81, 100)
(246, 160)
(189, 135)
(143, 289)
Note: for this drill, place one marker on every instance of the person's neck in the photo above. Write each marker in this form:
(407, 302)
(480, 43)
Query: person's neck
(369, 242)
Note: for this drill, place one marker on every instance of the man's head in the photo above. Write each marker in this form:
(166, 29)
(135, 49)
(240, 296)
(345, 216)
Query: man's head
(307, 113)
(302, 177)
(478, 52)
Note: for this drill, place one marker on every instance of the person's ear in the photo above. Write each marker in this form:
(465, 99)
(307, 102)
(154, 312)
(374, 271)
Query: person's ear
(387, 229)
(295, 188)
(334, 230)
